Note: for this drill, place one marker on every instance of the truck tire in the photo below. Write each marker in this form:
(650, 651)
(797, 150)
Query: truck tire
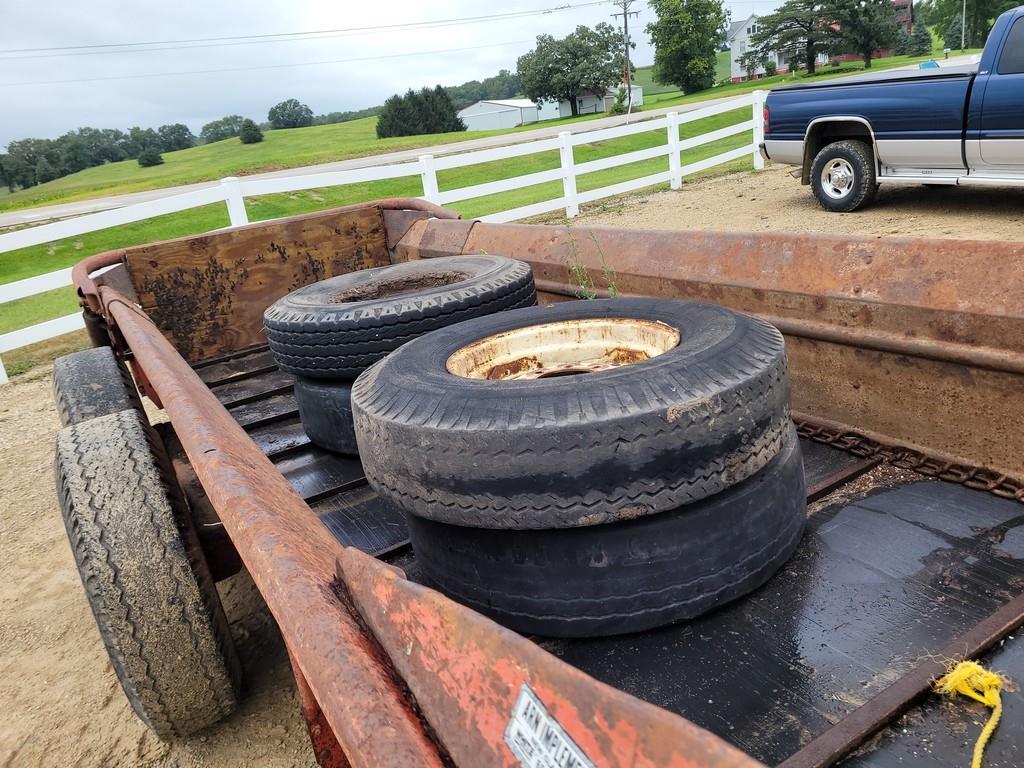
(506, 438)
(627, 576)
(92, 383)
(144, 575)
(843, 176)
(336, 328)
(325, 409)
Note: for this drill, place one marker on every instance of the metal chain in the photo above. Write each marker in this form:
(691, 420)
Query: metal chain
(978, 478)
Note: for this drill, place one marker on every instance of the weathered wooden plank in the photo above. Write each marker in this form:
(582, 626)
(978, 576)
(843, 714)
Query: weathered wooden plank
(207, 293)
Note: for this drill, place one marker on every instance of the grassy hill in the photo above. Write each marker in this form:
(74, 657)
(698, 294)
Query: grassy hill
(280, 149)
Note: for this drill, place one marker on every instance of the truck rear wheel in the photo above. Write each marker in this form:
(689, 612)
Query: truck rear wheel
(843, 176)
(144, 575)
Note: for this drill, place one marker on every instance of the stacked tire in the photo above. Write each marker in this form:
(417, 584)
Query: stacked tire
(329, 332)
(590, 468)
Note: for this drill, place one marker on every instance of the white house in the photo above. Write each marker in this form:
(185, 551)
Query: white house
(739, 36)
(499, 113)
(589, 104)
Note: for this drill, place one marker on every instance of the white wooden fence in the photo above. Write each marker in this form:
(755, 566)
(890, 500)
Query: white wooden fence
(233, 192)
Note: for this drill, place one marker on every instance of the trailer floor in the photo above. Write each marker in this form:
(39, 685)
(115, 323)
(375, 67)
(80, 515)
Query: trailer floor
(891, 569)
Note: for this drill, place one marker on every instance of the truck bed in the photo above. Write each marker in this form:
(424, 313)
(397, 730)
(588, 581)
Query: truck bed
(893, 567)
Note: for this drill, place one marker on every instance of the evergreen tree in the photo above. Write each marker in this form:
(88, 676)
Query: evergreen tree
(920, 41)
(416, 113)
(250, 132)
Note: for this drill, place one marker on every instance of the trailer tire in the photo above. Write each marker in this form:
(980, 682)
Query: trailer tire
(92, 383)
(325, 409)
(336, 328)
(144, 574)
(628, 576)
(843, 176)
(495, 451)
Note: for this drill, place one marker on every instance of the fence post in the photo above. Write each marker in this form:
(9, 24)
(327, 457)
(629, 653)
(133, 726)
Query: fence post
(236, 203)
(675, 179)
(429, 177)
(758, 129)
(3, 374)
(572, 207)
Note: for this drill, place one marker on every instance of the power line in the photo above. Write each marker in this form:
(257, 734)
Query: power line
(279, 37)
(263, 66)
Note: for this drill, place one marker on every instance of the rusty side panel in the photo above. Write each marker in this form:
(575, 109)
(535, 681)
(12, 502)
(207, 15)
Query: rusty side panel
(424, 240)
(467, 672)
(918, 342)
(207, 293)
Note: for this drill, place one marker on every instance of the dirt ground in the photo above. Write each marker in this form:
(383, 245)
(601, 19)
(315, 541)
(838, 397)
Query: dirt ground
(772, 200)
(61, 702)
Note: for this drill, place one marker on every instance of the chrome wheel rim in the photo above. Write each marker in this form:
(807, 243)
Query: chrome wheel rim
(566, 348)
(837, 178)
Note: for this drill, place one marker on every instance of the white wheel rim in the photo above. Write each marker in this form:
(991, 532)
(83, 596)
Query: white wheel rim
(565, 348)
(837, 178)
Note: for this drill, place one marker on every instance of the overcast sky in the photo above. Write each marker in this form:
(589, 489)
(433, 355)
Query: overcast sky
(116, 90)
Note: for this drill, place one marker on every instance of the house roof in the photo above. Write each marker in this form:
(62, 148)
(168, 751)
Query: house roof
(736, 26)
(520, 103)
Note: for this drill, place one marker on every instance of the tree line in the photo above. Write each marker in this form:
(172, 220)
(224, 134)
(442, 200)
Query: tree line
(28, 162)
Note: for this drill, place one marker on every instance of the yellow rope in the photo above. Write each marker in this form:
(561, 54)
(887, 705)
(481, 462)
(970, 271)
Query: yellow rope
(971, 679)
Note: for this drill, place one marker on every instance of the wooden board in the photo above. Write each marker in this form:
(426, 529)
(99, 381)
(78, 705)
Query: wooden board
(207, 293)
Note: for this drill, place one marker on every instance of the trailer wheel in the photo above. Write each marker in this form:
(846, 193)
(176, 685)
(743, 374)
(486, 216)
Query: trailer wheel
(92, 383)
(336, 328)
(573, 414)
(325, 409)
(144, 575)
(843, 176)
(627, 576)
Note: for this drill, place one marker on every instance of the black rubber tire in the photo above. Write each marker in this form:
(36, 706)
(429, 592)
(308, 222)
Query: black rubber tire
(92, 383)
(861, 158)
(325, 409)
(314, 334)
(579, 450)
(144, 574)
(627, 576)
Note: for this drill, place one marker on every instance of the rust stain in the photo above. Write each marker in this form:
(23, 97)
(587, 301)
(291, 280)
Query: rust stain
(466, 673)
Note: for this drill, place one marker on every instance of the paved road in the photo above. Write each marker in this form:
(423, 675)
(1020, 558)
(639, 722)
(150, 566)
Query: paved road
(64, 210)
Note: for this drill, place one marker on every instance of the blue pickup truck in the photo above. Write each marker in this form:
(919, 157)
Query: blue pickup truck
(944, 126)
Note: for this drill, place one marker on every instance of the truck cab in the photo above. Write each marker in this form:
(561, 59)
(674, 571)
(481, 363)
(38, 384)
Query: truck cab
(959, 125)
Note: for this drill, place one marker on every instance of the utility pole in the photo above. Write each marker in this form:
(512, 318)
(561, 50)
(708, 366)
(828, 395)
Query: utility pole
(963, 28)
(625, 13)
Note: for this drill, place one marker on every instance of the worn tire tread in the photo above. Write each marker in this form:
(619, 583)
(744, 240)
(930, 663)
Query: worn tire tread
(147, 583)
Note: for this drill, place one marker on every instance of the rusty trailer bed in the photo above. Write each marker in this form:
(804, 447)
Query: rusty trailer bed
(906, 361)
(893, 567)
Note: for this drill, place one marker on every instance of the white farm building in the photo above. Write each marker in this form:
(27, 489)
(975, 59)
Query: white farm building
(499, 113)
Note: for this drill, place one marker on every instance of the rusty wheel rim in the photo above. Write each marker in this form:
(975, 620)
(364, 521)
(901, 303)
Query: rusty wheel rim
(566, 348)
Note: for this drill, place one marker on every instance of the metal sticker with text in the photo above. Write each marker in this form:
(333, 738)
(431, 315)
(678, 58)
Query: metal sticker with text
(536, 738)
